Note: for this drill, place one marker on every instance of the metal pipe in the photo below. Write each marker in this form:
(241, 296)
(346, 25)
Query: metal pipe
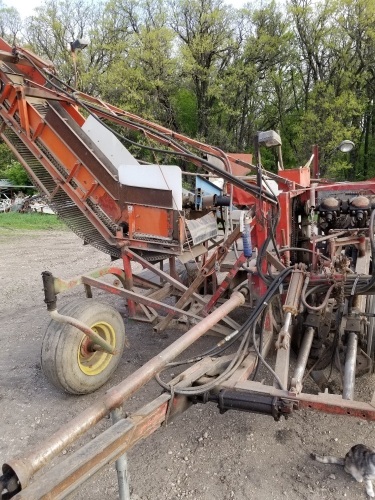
(25, 467)
(61, 480)
(121, 464)
(284, 335)
(303, 356)
(349, 369)
(282, 365)
(129, 283)
(287, 322)
(94, 337)
(315, 169)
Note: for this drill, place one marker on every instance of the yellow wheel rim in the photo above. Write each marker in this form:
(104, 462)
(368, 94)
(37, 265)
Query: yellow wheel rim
(96, 362)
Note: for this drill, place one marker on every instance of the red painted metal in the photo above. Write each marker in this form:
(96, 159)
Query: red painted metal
(43, 127)
(115, 396)
(128, 282)
(299, 176)
(225, 283)
(53, 136)
(345, 407)
(328, 403)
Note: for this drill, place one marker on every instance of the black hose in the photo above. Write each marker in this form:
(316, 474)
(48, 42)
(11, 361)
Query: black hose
(270, 198)
(245, 331)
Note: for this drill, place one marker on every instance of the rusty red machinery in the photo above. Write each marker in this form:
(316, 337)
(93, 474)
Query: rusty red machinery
(272, 263)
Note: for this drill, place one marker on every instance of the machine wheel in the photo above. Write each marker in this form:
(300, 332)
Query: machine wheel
(370, 309)
(66, 358)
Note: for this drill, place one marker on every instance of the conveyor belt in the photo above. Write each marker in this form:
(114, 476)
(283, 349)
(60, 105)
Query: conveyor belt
(64, 207)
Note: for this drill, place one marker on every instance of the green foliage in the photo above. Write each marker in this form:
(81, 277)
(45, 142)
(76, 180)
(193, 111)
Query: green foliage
(220, 74)
(10, 168)
(10, 24)
(185, 104)
(205, 30)
(30, 222)
(16, 174)
(6, 158)
(327, 120)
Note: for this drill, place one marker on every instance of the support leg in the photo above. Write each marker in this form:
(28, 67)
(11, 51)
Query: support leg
(303, 356)
(129, 283)
(121, 464)
(349, 369)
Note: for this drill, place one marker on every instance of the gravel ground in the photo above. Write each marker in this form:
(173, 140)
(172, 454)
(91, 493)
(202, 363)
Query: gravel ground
(201, 455)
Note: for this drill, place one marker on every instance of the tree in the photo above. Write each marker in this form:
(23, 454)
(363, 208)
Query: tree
(142, 74)
(357, 21)
(335, 42)
(221, 74)
(262, 96)
(205, 30)
(10, 24)
(17, 174)
(54, 26)
(10, 168)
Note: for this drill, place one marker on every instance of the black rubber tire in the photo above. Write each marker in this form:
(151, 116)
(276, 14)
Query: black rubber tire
(61, 358)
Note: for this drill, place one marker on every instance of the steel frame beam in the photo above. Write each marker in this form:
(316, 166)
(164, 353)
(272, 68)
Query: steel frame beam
(106, 448)
(24, 468)
(328, 403)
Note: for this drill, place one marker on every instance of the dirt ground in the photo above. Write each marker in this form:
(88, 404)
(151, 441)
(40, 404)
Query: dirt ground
(201, 455)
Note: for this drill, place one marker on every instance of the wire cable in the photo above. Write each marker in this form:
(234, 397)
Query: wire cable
(245, 331)
(181, 151)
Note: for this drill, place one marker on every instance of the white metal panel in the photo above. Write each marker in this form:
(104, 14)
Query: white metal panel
(108, 143)
(154, 177)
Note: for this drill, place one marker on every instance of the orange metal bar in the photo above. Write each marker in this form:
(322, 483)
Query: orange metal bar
(128, 284)
(114, 397)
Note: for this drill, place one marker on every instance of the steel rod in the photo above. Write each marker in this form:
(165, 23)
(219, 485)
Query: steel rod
(215, 259)
(154, 304)
(282, 341)
(303, 356)
(282, 366)
(93, 336)
(25, 467)
(121, 464)
(63, 479)
(349, 369)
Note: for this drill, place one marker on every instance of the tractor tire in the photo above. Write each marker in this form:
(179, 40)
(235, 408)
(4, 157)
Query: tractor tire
(64, 360)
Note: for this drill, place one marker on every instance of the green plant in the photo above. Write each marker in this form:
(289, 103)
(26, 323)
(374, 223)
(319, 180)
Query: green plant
(16, 174)
(33, 221)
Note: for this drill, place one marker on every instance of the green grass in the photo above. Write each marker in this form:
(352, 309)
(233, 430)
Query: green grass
(30, 222)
